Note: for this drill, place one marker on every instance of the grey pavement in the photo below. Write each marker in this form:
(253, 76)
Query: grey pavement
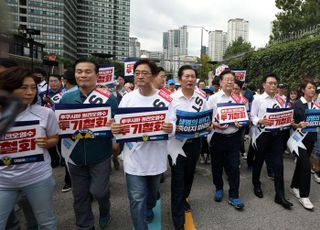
(207, 214)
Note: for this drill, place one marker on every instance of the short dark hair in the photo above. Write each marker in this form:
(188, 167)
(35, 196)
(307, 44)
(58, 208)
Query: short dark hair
(239, 83)
(183, 68)
(226, 71)
(12, 79)
(56, 76)
(153, 67)
(41, 71)
(69, 77)
(121, 75)
(304, 82)
(7, 63)
(264, 79)
(160, 69)
(82, 60)
(215, 81)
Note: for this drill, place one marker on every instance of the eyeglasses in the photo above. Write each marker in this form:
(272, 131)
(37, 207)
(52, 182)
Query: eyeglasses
(142, 73)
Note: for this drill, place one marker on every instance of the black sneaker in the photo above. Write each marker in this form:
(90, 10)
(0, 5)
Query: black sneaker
(66, 188)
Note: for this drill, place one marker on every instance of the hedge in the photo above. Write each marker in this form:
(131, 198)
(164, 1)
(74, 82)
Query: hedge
(291, 61)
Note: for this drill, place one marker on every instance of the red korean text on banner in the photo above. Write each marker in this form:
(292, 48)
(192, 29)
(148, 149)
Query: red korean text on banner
(105, 75)
(128, 68)
(240, 75)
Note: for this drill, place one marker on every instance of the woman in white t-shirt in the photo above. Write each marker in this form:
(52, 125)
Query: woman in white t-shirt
(34, 179)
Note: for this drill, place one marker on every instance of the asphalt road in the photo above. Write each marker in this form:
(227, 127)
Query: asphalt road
(207, 214)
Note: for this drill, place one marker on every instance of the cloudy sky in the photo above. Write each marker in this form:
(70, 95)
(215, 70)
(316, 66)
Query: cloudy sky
(150, 18)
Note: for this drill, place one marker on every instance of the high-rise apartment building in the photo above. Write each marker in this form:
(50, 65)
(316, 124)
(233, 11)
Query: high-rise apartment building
(76, 28)
(175, 43)
(217, 45)
(134, 47)
(103, 27)
(238, 28)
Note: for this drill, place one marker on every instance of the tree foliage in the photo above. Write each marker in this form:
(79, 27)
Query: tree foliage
(291, 61)
(295, 15)
(237, 47)
(205, 66)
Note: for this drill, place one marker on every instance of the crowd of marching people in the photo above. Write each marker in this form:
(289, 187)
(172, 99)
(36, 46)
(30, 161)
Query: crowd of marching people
(87, 157)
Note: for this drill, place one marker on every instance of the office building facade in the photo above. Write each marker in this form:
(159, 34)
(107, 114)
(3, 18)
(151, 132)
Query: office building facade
(238, 28)
(134, 47)
(175, 43)
(76, 28)
(103, 27)
(217, 45)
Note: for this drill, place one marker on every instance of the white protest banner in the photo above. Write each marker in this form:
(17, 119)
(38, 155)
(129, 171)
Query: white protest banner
(19, 144)
(83, 120)
(220, 69)
(281, 118)
(128, 68)
(230, 113)
(141, 124)
(105, 75)
(240, 75)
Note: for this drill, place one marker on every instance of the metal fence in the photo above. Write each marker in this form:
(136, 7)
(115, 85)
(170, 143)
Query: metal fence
(311, 31)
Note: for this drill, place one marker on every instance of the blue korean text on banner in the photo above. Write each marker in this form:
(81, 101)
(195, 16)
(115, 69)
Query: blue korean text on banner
(193, 124)
(313, 119)
(141, 124)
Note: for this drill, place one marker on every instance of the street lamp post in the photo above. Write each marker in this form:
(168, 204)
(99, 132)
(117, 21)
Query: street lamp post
(201, 44)
(31, 32)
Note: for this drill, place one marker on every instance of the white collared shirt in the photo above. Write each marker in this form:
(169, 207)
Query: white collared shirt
(260, 105)
(196, 103)
(304, 101)
(221, 97)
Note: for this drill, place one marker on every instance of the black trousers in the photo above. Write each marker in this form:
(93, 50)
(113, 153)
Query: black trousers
(225, 153)
(302, 173)
(182, 174)
(270, 148)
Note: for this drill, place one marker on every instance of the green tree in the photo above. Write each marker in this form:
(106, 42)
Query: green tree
(237, 47)
(295, 15)
(204, 66)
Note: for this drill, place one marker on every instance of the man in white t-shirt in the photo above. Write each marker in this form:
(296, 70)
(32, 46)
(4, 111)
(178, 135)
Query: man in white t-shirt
(146, 161)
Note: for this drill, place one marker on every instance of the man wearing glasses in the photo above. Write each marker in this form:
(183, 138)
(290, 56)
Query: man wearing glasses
(269, 145)
(144, 162)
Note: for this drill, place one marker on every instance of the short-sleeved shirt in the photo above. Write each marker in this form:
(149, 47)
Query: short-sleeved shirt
(15, 176)
(151, 157)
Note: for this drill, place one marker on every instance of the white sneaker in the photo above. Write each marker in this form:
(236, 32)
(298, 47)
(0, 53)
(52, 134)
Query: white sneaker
(208, 159)
(202, 160)
(306, 203)
(244, 155)
(295, 192)
(317, 177)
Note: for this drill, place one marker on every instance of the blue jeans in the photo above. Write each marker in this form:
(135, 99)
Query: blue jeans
(39, 196)
(142, 193)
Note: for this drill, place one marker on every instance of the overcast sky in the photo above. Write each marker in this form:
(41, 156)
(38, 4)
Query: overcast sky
(150, 18)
